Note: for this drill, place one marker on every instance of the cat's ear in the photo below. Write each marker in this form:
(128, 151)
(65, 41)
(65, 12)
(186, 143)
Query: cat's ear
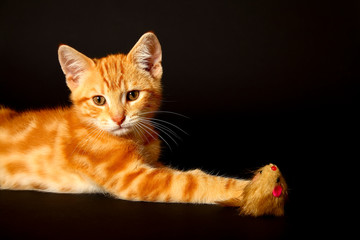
(74, 65)
(146, 54)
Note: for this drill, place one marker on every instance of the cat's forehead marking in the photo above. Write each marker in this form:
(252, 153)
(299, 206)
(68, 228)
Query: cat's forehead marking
(111, 70)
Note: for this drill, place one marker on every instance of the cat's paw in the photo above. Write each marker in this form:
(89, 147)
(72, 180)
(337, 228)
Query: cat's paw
(265, 194)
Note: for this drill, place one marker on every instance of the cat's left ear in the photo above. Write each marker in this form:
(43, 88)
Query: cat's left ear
(147, 55)
(75, 65)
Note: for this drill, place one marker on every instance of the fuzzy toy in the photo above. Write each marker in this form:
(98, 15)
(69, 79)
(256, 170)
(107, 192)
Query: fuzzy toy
(265, 194)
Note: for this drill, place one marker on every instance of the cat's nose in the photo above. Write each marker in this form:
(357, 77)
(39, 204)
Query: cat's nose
(118, 119)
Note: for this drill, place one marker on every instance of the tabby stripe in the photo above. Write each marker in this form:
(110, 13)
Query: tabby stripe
(153, 184)
(190, 188)
(129, 178)
(104, 72)
(82, 100)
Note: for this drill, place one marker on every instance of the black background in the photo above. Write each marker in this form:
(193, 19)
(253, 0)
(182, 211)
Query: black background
(260, 81)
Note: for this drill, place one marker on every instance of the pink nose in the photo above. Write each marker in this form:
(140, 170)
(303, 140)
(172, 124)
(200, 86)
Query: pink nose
(118, 119)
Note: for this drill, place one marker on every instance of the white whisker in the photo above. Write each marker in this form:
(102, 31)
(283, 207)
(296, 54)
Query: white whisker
(163, 131)
(156, 119)
(143, 113)
(139, 132)
(150, 129)
(142, 127)
(165, 128)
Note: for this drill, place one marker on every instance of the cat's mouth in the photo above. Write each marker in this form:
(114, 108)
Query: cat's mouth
(120, 130)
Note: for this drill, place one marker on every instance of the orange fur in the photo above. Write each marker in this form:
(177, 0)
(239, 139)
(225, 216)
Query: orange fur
(84, 149)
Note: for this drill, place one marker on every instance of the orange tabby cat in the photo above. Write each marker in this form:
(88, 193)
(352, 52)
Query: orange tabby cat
(104, 141)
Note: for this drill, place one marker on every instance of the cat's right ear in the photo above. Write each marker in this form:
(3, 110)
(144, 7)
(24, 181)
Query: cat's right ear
(74, 65)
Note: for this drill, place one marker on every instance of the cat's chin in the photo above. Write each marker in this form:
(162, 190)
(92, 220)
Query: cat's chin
(120, 131)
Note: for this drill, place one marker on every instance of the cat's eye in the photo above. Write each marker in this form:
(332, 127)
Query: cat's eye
(132, 95)
(99, 100)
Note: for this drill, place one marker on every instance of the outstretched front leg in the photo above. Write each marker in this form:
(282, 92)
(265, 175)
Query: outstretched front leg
(126, 176)
(146, 183)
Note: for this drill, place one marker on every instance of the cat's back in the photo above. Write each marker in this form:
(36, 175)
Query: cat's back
(31, 152)
(6, 114)
(35, 119)
(30, 138)
(30, 127)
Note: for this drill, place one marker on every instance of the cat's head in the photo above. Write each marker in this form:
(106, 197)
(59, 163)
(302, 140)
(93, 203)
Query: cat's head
(115, 92)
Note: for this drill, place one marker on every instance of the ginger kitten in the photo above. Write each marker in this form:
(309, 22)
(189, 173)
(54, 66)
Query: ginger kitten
(103, 142)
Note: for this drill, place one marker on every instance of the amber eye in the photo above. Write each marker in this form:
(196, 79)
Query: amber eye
(99, 100)
(133, 95)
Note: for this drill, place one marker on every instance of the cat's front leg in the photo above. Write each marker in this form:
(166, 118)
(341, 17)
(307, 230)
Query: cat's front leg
(131, 178)
(146, 183)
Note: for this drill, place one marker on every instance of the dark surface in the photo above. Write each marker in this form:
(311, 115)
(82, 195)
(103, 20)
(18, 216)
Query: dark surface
(260, 81)
(78, 216)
